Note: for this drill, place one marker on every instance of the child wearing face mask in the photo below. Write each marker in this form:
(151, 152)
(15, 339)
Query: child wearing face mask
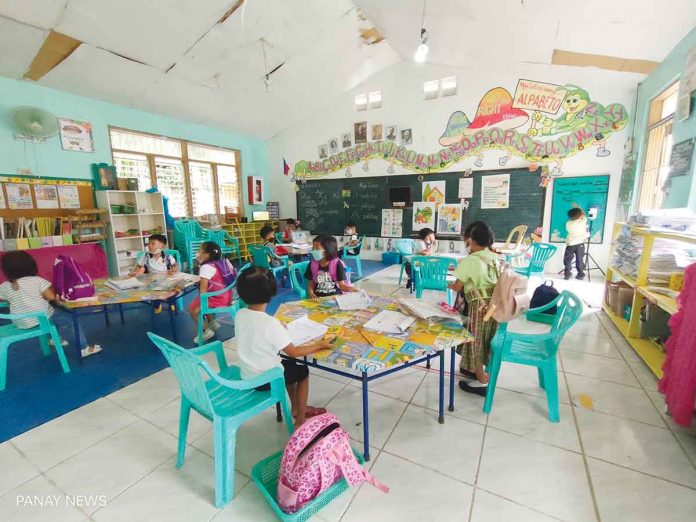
(215, 274)
(326, 273)
(269, 241)
(425, 246)
(155, 260)
(351, 232)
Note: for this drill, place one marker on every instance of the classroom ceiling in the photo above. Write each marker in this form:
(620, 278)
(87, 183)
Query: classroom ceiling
(206, 61)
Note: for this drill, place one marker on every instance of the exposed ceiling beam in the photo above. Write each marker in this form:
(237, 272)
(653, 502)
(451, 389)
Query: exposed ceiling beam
(56, 48)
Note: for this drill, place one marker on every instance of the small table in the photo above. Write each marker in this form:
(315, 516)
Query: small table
(155, 288)
(371, 354)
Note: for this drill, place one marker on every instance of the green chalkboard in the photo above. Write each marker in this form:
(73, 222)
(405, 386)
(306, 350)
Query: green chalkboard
(327, 205)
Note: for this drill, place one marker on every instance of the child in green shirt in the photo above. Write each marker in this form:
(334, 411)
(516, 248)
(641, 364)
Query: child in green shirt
(477, 275)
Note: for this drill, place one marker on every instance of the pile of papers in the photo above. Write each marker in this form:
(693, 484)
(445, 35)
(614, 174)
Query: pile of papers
(627, 254)
(304, 330)
(353, 300)
(388, 321)
(124, 284)
(670, 220)
(426, 310)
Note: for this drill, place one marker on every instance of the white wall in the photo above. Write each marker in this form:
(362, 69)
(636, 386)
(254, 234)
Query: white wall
(403, 105)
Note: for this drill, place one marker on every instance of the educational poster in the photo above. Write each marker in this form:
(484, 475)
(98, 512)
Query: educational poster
(76, 135)
(46, 196)
(68, 196)
(434, 192)
(466, 188)
(449, 219)
(585, 192)
(423, 215)
(19, 196)
(2, 198)
(392, 222)
(495, 191)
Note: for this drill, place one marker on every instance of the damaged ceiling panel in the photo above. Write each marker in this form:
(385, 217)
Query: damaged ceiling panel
(153, 32)
(19, 43)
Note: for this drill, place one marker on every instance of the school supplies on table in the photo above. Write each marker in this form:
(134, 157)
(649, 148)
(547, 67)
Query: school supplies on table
(304, 330)
(124, 284)
(353, 300)
(426, 310)
(388, 321)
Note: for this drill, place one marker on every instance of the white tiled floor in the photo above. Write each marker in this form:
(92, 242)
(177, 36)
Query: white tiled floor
(615, 455)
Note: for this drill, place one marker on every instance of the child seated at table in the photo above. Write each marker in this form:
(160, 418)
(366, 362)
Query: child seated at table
(261, 338)
(477, 275)
(351, 232)
(424, 246)
(26, 292)
(290, 226)
(155, 260)
(269, 241)
(326, 273)
(215, 274)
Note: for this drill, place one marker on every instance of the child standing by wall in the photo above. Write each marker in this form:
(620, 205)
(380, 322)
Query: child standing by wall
(326, 273)
(261, 338)
(576, 229)
(26, 292)
(476, 276)
(216, 273)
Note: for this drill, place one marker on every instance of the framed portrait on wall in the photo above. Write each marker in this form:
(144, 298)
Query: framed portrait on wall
(391, 132)
(255, 190)
(360, 132)
(347, 140)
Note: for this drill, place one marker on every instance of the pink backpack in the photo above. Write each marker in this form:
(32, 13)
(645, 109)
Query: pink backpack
(317, 455)
(70, 280)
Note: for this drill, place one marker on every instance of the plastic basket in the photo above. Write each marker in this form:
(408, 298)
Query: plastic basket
(116, 209)
(129, 209)
(265, 475)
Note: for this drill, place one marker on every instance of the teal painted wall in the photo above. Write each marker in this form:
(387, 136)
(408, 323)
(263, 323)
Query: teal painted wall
(52, 160)
(683, 191)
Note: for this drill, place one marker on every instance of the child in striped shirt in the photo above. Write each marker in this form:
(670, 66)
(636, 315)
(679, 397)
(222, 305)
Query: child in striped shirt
(26, 292)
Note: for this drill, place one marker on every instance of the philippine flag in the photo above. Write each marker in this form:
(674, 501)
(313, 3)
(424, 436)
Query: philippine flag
(286, 167)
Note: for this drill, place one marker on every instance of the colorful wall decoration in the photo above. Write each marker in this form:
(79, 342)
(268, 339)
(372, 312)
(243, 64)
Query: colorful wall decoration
(542, 123)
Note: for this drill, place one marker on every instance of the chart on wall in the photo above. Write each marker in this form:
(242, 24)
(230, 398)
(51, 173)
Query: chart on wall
(585, 192)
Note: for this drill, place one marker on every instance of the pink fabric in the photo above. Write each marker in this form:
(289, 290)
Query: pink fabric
(679, 381)
(90, 256)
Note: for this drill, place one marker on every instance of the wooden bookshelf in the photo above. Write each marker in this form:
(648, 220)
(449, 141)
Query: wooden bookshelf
(247, 233)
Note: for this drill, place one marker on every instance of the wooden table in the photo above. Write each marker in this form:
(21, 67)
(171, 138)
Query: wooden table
(366, 355)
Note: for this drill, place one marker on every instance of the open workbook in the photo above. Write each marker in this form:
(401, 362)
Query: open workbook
(426, 310)
(388, 321)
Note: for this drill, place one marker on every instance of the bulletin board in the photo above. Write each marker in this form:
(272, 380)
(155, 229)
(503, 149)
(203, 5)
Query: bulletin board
(44, 196)
(584, 192)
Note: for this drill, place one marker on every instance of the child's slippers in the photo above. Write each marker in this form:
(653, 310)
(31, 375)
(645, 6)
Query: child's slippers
(313, 412)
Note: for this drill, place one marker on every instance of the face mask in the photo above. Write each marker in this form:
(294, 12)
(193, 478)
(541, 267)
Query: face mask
(317, 255)
(200, 258)
(156, 251)
(349, 232)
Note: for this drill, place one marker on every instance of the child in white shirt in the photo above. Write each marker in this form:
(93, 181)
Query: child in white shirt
(576, 229)
(261, 338)
(156, 260)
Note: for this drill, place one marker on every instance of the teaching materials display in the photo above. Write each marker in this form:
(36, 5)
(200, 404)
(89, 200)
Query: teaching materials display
(32, 196)
(466, 188)
(585, 192)
(304, 330)
(495, 191)
(392, 221)
(327, 205)
(423, 216)
(449, 220)
(46, 196)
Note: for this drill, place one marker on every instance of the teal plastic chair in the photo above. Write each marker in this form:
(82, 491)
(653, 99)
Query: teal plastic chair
(406, 248)
(356, 257)
(10, 334)
(228, 244)
(535, 350)
(540, 254)
(279, 238)
(430, 273)
(260, 257)
(186, 231)
(222, 398)
(297, 278)
(206, 309)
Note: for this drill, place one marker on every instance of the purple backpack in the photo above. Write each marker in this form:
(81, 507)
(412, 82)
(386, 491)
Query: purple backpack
(70, 280)
(333, 268)
(226, 271)
(318, 455)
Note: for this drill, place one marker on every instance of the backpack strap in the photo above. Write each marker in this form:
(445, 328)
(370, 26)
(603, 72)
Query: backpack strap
(354, 473)
(167, 261)
(314, 268)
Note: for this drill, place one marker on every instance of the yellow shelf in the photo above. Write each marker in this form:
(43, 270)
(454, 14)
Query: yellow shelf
(631, 281)
(667, 303)
(648, 350)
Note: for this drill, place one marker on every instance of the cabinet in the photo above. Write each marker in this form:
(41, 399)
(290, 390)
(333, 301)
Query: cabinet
(247, 233)
(131, 218)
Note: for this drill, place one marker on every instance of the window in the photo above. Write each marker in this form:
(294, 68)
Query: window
(365, 101)
(198, 179)
(658, 149)
(440, 88)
